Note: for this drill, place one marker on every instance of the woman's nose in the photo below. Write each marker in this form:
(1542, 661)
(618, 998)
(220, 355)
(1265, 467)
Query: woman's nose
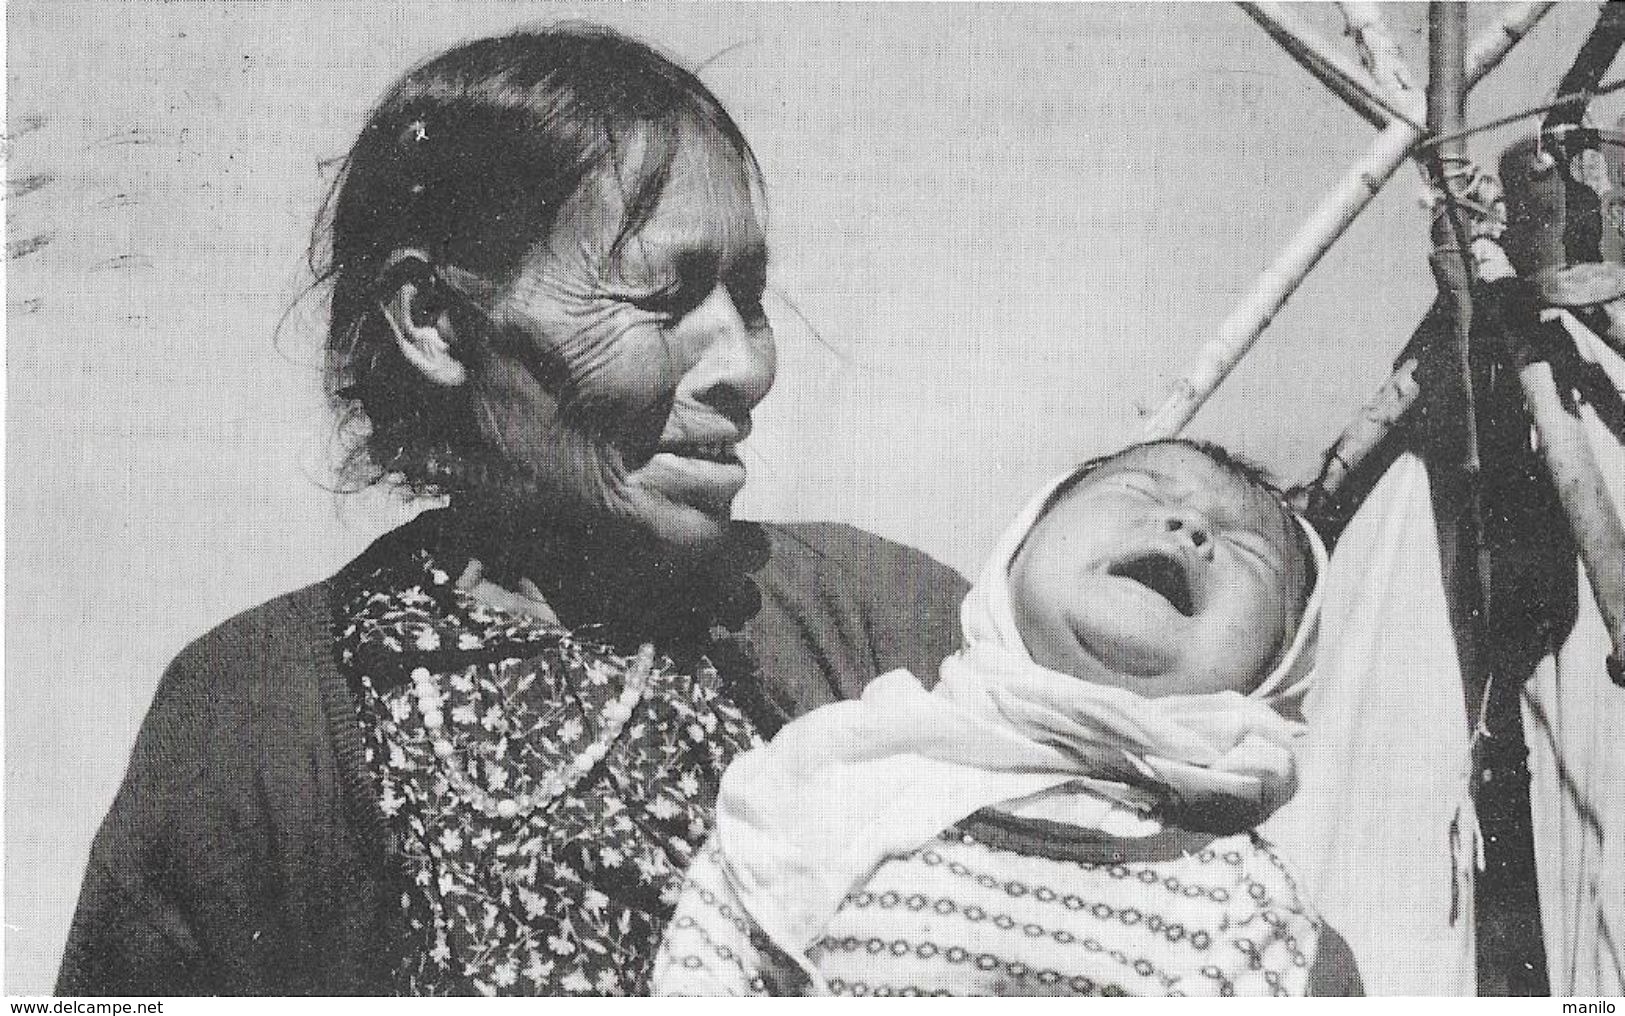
(736, 360)
(1192, 526)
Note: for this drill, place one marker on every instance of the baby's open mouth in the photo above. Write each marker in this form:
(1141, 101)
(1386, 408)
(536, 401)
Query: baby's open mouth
(1163, 574)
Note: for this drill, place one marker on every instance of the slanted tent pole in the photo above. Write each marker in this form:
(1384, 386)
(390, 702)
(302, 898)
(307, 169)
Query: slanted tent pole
(1363, 435)
(1593, 521)
(1495, 42)
(1330, 219)
(1346, 79)
(1593, 60)
(1580, 487)
(1237, 332)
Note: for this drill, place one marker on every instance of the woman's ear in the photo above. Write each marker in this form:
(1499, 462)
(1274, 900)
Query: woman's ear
(420, 316)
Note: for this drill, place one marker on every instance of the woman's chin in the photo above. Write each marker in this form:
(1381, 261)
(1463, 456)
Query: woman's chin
(693, 530)
(678, 528)
(685, 504)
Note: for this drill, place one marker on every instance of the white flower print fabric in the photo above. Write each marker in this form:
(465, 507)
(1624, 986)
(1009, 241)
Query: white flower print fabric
(568, 896)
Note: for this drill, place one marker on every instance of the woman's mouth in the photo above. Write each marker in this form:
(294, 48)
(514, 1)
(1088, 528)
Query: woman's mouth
(710, 451)
(703, 474)
(1162, 573)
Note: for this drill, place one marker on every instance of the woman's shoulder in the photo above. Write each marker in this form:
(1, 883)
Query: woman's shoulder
(291, 635)
(825, 537)
(262, 685)
(266, 638)
(253, 716)
(904, 595)
(861, 556)
(840, 606)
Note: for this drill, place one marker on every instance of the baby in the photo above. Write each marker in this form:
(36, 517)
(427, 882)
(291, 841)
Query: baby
(1071, 809)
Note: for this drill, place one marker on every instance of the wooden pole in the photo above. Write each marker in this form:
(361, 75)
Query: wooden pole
(1452, 256)
(1276, 284)
(1330, 219)
(1381, 57)
(1593, 60)
(1376, 419)
(1491, 45)
(1593, 520)
(1451, 448)
(1580, 487)
(1346, 79)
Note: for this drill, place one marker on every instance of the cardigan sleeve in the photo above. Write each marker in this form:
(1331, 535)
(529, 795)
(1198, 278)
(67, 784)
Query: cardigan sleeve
(226, 864)
(134, 932)
(841, 607)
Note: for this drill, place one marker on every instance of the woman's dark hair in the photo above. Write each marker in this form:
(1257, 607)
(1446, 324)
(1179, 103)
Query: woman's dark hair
(469, 158)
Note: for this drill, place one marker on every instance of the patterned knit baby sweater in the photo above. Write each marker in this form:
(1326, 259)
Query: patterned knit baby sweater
(1000, 905)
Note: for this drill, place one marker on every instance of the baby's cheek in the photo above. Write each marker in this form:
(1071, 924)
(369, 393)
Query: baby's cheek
(1248, 643)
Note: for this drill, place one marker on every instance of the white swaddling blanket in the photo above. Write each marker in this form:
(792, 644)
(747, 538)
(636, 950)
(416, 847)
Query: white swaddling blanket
(808, 817)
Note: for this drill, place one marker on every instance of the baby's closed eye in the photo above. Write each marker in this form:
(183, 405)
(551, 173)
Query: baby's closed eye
(1257, 547)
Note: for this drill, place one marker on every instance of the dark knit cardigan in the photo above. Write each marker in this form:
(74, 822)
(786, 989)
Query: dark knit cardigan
(246, 853)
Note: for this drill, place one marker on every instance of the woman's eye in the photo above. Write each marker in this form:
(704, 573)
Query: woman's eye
(748, 303)
(673, 301)
(678, 299)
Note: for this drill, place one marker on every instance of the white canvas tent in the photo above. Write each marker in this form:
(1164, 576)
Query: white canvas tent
(1419, 799)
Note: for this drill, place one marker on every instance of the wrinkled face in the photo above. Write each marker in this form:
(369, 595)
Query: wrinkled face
(1162, 573)
(621, 382)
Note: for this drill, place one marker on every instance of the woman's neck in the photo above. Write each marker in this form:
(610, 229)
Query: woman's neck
(597, 573)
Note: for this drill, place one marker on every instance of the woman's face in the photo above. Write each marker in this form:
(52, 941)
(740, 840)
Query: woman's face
(621, 382)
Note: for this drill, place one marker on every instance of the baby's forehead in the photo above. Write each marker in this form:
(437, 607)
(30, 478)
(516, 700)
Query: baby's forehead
(1182, 472)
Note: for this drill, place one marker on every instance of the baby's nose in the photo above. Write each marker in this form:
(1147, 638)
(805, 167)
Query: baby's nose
(1194, 528)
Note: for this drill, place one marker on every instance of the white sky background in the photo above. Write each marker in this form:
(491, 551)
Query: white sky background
(1011, 226)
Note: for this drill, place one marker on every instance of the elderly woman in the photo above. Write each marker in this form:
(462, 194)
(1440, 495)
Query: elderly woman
(479, 757)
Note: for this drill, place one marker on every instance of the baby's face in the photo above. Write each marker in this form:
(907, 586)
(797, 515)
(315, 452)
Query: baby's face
(1162, 573)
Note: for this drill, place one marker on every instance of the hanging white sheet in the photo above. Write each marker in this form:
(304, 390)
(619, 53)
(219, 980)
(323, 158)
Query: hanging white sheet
(1382, 828)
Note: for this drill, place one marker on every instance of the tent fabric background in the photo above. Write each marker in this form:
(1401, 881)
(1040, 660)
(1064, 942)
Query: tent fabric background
(1385, 766)
(1371, 828)
(1573, 723)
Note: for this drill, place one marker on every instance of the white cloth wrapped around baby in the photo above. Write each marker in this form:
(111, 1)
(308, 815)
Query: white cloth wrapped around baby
(808, 822)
